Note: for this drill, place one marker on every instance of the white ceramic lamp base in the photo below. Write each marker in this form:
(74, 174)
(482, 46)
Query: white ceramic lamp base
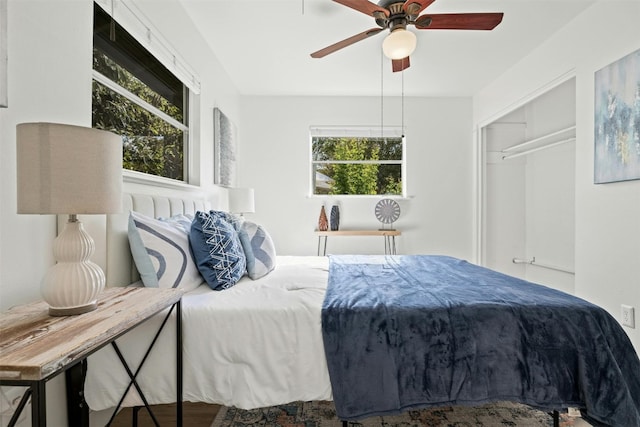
(72, 285)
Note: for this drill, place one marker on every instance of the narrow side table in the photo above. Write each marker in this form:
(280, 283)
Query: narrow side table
(389, 238)
(35, 347)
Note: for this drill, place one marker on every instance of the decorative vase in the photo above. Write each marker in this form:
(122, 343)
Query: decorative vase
(323, 223)
(335, 218)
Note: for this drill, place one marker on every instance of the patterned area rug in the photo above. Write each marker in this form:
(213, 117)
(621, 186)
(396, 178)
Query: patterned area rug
(322, 414)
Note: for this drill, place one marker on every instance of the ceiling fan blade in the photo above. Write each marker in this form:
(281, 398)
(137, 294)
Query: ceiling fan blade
(346, 42)
(400, 64)
(414, 7)
(459, 21)
(364, 6)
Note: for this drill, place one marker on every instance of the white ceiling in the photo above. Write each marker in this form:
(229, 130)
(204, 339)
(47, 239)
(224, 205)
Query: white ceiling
(265, 46)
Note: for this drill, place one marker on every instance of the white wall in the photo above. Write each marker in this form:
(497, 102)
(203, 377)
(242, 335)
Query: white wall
(607, 257)
(50, 51)
(275, 153)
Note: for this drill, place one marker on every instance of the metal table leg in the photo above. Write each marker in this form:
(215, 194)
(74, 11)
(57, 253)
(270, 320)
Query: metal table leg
(324, 250)
(39, 403)
(23, 402)
(133, 375)
(179, 363)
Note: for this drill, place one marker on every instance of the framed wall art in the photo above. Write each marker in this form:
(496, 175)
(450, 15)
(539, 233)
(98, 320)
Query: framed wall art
(617, 121)
(224, 149)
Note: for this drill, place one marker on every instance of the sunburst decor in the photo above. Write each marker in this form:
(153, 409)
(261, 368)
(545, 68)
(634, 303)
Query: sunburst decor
(387, 212)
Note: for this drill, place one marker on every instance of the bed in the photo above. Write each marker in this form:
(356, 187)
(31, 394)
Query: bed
(298, 332)
(262, 344)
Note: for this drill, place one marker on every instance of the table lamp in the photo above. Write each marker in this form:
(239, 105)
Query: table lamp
(65, 169)
(241, 200)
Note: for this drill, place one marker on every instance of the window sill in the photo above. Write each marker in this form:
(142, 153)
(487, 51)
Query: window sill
(139, 178)
(359, 196)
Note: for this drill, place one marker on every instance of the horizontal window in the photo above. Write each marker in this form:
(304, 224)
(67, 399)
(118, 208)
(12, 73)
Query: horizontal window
(135, 96)
(356, 165)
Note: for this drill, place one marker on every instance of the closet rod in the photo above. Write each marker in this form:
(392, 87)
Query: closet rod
(533, 261)
(541, 138)
(532, 150)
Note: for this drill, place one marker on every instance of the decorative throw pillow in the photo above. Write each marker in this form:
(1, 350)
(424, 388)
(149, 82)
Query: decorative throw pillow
(217, 250)
(162, 253)
(180, 221)
(258, 248)
(235, 220)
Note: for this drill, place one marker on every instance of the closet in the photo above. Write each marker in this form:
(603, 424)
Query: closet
(528, 207)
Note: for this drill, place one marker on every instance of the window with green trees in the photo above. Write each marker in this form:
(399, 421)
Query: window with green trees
(135, 96)
(344, 162)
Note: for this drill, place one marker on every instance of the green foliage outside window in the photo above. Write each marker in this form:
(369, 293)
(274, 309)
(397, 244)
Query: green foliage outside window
(354, 178)
(358, 166)
(150, 144)
(136, 96)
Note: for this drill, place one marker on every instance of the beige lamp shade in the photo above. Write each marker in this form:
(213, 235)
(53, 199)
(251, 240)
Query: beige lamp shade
(65, 169)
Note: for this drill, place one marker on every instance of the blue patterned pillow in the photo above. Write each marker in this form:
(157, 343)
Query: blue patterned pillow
(161, 252)
(217, 250)
(232, 219)
(258, 248)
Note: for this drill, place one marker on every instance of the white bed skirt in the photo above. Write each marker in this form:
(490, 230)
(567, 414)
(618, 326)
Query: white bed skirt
(256, 344)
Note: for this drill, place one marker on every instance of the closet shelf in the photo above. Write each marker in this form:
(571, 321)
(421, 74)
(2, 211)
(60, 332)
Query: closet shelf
(540, 142)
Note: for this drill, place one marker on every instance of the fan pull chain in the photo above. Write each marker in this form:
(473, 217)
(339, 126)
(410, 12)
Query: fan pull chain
(402, 101)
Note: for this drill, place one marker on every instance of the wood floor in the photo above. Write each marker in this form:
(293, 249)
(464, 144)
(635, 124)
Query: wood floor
(194, 415)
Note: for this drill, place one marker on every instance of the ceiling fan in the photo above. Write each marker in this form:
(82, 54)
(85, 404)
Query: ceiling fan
(395, 15)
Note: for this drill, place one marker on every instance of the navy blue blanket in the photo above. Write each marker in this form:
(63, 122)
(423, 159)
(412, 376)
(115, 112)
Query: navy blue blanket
(404, 332)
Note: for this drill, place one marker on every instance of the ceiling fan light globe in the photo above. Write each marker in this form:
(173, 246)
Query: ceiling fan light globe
(399, 44)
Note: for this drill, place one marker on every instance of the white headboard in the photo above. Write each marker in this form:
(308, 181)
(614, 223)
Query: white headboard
(113, 246)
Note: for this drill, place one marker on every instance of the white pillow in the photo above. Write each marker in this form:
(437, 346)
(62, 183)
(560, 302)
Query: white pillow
(161, 252)
(258, 248)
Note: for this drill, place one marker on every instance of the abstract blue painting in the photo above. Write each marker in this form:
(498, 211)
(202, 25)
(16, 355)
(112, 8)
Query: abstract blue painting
(617, 120)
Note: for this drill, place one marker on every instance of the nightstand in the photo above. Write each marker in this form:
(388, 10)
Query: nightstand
(35, 347)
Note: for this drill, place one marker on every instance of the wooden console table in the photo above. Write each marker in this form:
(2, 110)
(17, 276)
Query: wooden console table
(389, 238)
(35, 347)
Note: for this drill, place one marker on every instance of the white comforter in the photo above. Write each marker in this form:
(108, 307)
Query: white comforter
(256, 344)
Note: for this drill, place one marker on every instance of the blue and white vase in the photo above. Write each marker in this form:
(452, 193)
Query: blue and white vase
(335, 218)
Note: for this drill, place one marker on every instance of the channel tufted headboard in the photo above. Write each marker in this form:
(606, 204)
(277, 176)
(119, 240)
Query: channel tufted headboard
(119, 267)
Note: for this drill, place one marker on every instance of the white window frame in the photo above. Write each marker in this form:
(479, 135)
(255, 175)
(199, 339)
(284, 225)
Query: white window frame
(358, 132)
(129, 16)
